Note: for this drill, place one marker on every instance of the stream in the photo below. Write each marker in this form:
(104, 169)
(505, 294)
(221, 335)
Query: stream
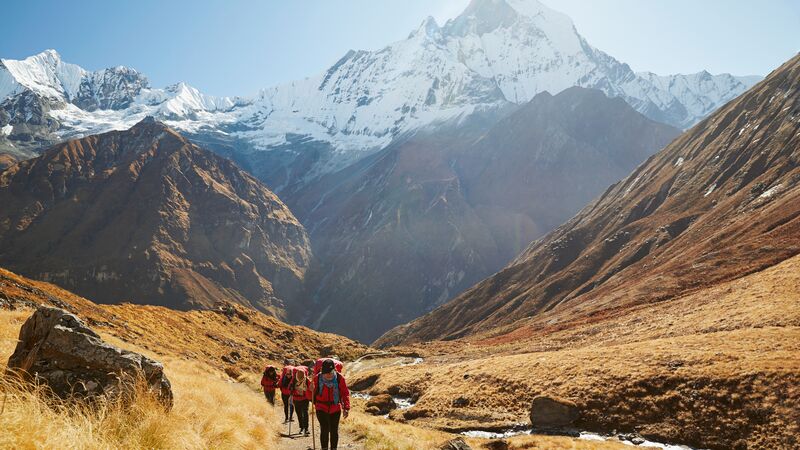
(585, 435)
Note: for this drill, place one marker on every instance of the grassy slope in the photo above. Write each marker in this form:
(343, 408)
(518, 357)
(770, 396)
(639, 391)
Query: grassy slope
(210, 411)
(203, 415)
(717, 368)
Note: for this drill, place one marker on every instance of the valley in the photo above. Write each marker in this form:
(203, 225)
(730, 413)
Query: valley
(510, 239)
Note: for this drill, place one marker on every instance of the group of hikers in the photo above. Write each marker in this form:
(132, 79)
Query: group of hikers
(322, 385)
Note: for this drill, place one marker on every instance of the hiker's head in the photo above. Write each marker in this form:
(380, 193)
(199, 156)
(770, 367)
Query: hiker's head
(328, 369)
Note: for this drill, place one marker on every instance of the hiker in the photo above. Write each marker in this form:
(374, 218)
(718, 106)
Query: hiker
(301, 395)
(331, 400)
(285, 384)
(269, 381)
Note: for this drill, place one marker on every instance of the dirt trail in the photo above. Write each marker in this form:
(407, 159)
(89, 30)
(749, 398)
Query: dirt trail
(300, 442)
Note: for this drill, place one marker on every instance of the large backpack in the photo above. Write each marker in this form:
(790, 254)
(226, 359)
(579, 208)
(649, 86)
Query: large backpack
(287, 377)
(336, 364)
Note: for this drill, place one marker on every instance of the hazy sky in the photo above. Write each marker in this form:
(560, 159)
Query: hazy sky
(235, 47)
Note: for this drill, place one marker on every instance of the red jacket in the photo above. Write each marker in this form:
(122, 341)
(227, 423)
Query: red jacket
(323, 396)
(286, 388)
(269, 384)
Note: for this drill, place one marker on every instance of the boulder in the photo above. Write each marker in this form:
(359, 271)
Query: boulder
(381, 404)
(460, 402)
(552, 412)
(363, 384)
(57, 349)
(499, 444)
(455, 444)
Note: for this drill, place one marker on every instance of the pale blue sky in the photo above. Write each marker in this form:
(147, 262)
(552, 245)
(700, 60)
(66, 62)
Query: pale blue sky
(236, 47)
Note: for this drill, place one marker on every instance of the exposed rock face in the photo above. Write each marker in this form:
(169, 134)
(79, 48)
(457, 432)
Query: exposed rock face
(381, 404)
(551, 412)
(720, 202)
(405, 230)
(59, 350)
(147, 217)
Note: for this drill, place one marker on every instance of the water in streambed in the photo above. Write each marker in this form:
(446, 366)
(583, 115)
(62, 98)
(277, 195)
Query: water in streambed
(585, 435)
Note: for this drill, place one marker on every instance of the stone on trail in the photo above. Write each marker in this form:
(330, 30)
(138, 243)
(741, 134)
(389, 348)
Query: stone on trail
(57, 349)
(552, 412)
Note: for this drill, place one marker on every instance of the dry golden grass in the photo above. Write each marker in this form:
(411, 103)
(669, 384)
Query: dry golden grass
(717, 368)
(204, 336)
(383, 434)
(209, 412)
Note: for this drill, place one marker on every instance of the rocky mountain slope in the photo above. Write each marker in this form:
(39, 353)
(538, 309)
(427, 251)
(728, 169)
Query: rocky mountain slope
(496, 53)
(145, 216)
(228, 336)
(717, 368)
(405, 230)
(718, 203)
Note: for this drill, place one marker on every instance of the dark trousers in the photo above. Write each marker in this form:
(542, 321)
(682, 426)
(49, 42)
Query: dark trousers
(301, 408)
(270, 395)
(288, 410)
(329, 428)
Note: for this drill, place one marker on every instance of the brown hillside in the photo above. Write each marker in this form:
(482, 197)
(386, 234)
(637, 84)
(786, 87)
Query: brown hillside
(718, 368)
(247, 339)
(144, 216)
(720, 202)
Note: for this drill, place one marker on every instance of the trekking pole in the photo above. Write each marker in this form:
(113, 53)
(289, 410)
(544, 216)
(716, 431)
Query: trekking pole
(291, 412)
(314, 410)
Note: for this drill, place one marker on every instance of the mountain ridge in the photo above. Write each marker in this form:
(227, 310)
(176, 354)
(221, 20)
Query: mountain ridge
(143, 215)
(369, 99)
(724, 192)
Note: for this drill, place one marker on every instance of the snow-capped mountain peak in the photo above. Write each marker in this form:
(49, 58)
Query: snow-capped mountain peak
(495, 54)
(43, 73)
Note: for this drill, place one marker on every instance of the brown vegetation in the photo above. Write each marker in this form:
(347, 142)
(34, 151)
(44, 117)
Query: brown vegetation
(719, 368)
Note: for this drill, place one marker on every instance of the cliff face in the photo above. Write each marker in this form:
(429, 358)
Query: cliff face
(145, 216)
(721, 201)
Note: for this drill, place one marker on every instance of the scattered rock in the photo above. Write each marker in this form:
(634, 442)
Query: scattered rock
(57, 349)
(415, 413)
(500, 444)
(251, 340)
(460, 402)
(552, 412)
(637, 441)
(364, 383)
(455, 444)
(381, 404)
(233, 372)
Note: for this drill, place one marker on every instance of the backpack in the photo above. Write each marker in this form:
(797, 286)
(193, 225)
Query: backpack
(336, 364)
(286, 380)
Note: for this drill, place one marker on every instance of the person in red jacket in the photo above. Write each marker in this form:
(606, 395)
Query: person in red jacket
(331, 400)
(301, 395)
(269, 381)
(285, 385)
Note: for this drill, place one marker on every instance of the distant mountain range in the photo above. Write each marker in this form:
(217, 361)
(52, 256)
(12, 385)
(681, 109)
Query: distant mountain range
(495, 53)
(417, 169)
(403, 231)
(720, 202)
